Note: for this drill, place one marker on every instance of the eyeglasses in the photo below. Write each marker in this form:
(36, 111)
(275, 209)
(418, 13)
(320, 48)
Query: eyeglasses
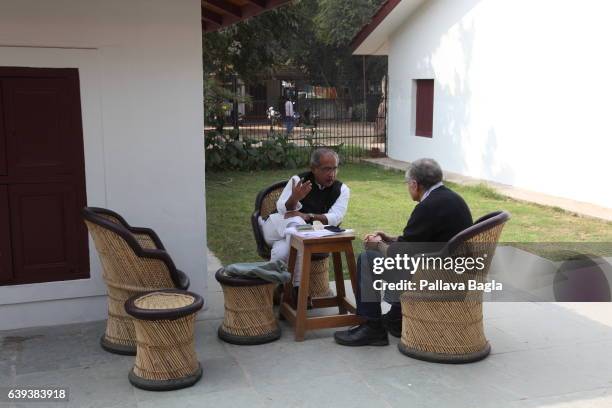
(328, 170)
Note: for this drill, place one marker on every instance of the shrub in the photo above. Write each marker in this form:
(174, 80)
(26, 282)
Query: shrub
(225, 151)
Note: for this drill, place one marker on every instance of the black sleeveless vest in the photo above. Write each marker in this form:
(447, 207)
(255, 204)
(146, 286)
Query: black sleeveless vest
(319, 201)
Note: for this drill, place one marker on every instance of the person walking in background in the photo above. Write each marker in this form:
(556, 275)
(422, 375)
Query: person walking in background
(289, 116)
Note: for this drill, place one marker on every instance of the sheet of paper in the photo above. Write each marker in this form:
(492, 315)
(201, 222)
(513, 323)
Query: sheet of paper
(314, 234)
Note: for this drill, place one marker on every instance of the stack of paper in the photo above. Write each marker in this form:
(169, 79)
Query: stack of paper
(314, 233)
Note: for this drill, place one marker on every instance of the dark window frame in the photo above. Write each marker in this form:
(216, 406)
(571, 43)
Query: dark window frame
(424, 108)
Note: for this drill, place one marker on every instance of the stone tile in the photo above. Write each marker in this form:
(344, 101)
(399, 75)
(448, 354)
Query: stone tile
(207, 343)
(39, 404)
(245, 397)
(592, 311)
(213, 263)
(364, 359)
(548, 372)
(54, 348)
(426, 385)
(549, 326)
(599, 398)
(495, 310)
(280, 362)
(214, 306)
(339, 390)
(502, 342)
(101, 386)
(6, 372)
(220, 374)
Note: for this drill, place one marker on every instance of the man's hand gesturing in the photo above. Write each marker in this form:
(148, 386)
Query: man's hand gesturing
(300, 190)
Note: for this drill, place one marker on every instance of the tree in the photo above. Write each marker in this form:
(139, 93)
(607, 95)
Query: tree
(218, 102)
(338, 21)
(311, 35)
(249, 48)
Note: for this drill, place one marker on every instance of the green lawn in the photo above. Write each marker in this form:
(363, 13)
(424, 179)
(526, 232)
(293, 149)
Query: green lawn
(379, 201)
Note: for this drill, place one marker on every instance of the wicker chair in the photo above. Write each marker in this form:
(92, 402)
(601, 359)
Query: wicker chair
(165, 327)
(446, 326)
(133, 261)
(249, 316)
(265, 204)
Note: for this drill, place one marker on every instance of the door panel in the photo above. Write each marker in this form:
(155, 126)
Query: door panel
(6, 267)
(3, 165)
(40, 139)
(42, 175)
(44, 230)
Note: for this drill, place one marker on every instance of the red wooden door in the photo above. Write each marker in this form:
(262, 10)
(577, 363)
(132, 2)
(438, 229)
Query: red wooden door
(6, 266)
(44, 177)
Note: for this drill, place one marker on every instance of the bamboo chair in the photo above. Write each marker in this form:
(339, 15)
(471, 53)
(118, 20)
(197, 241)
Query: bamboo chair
(133, 260)
(165, 326)
(265, 204)
(447, 326)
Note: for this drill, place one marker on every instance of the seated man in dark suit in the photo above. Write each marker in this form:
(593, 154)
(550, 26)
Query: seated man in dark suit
(439, 215)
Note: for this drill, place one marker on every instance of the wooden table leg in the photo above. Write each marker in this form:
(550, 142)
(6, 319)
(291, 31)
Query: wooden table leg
(291, 266)
(288, 286)
(300, 321)
(340, 292)
(352, 267)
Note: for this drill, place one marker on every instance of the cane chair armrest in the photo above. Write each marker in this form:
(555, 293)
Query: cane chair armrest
(94, 215)
(262, 248)
(146, 236)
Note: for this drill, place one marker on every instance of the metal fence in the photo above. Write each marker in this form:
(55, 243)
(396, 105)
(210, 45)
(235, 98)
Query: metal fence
(345, 118)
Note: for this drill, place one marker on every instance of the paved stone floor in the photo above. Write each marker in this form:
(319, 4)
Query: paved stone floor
(544, 355)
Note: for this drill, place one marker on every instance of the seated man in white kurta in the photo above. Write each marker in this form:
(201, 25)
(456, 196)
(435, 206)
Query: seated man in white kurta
(312, 196)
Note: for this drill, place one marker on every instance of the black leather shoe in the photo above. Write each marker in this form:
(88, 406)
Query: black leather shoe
(392, 324)
(371, 333)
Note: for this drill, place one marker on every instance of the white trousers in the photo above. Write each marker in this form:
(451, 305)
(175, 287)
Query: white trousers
(276, 237)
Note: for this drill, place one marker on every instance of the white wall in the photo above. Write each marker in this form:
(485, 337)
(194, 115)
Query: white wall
(522, 92)
(140, 66)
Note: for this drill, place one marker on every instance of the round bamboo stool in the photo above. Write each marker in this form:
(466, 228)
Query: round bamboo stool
(165, 322)
(249, 317)
(319, 276)
(443, 331)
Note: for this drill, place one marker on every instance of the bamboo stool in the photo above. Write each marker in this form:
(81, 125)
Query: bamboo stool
(319, 276)
(249, 317)
(165, 322)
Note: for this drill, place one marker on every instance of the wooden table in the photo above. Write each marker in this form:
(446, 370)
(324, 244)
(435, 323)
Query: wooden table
(336, 244)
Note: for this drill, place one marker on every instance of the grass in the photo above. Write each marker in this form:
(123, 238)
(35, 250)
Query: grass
(380, 201)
